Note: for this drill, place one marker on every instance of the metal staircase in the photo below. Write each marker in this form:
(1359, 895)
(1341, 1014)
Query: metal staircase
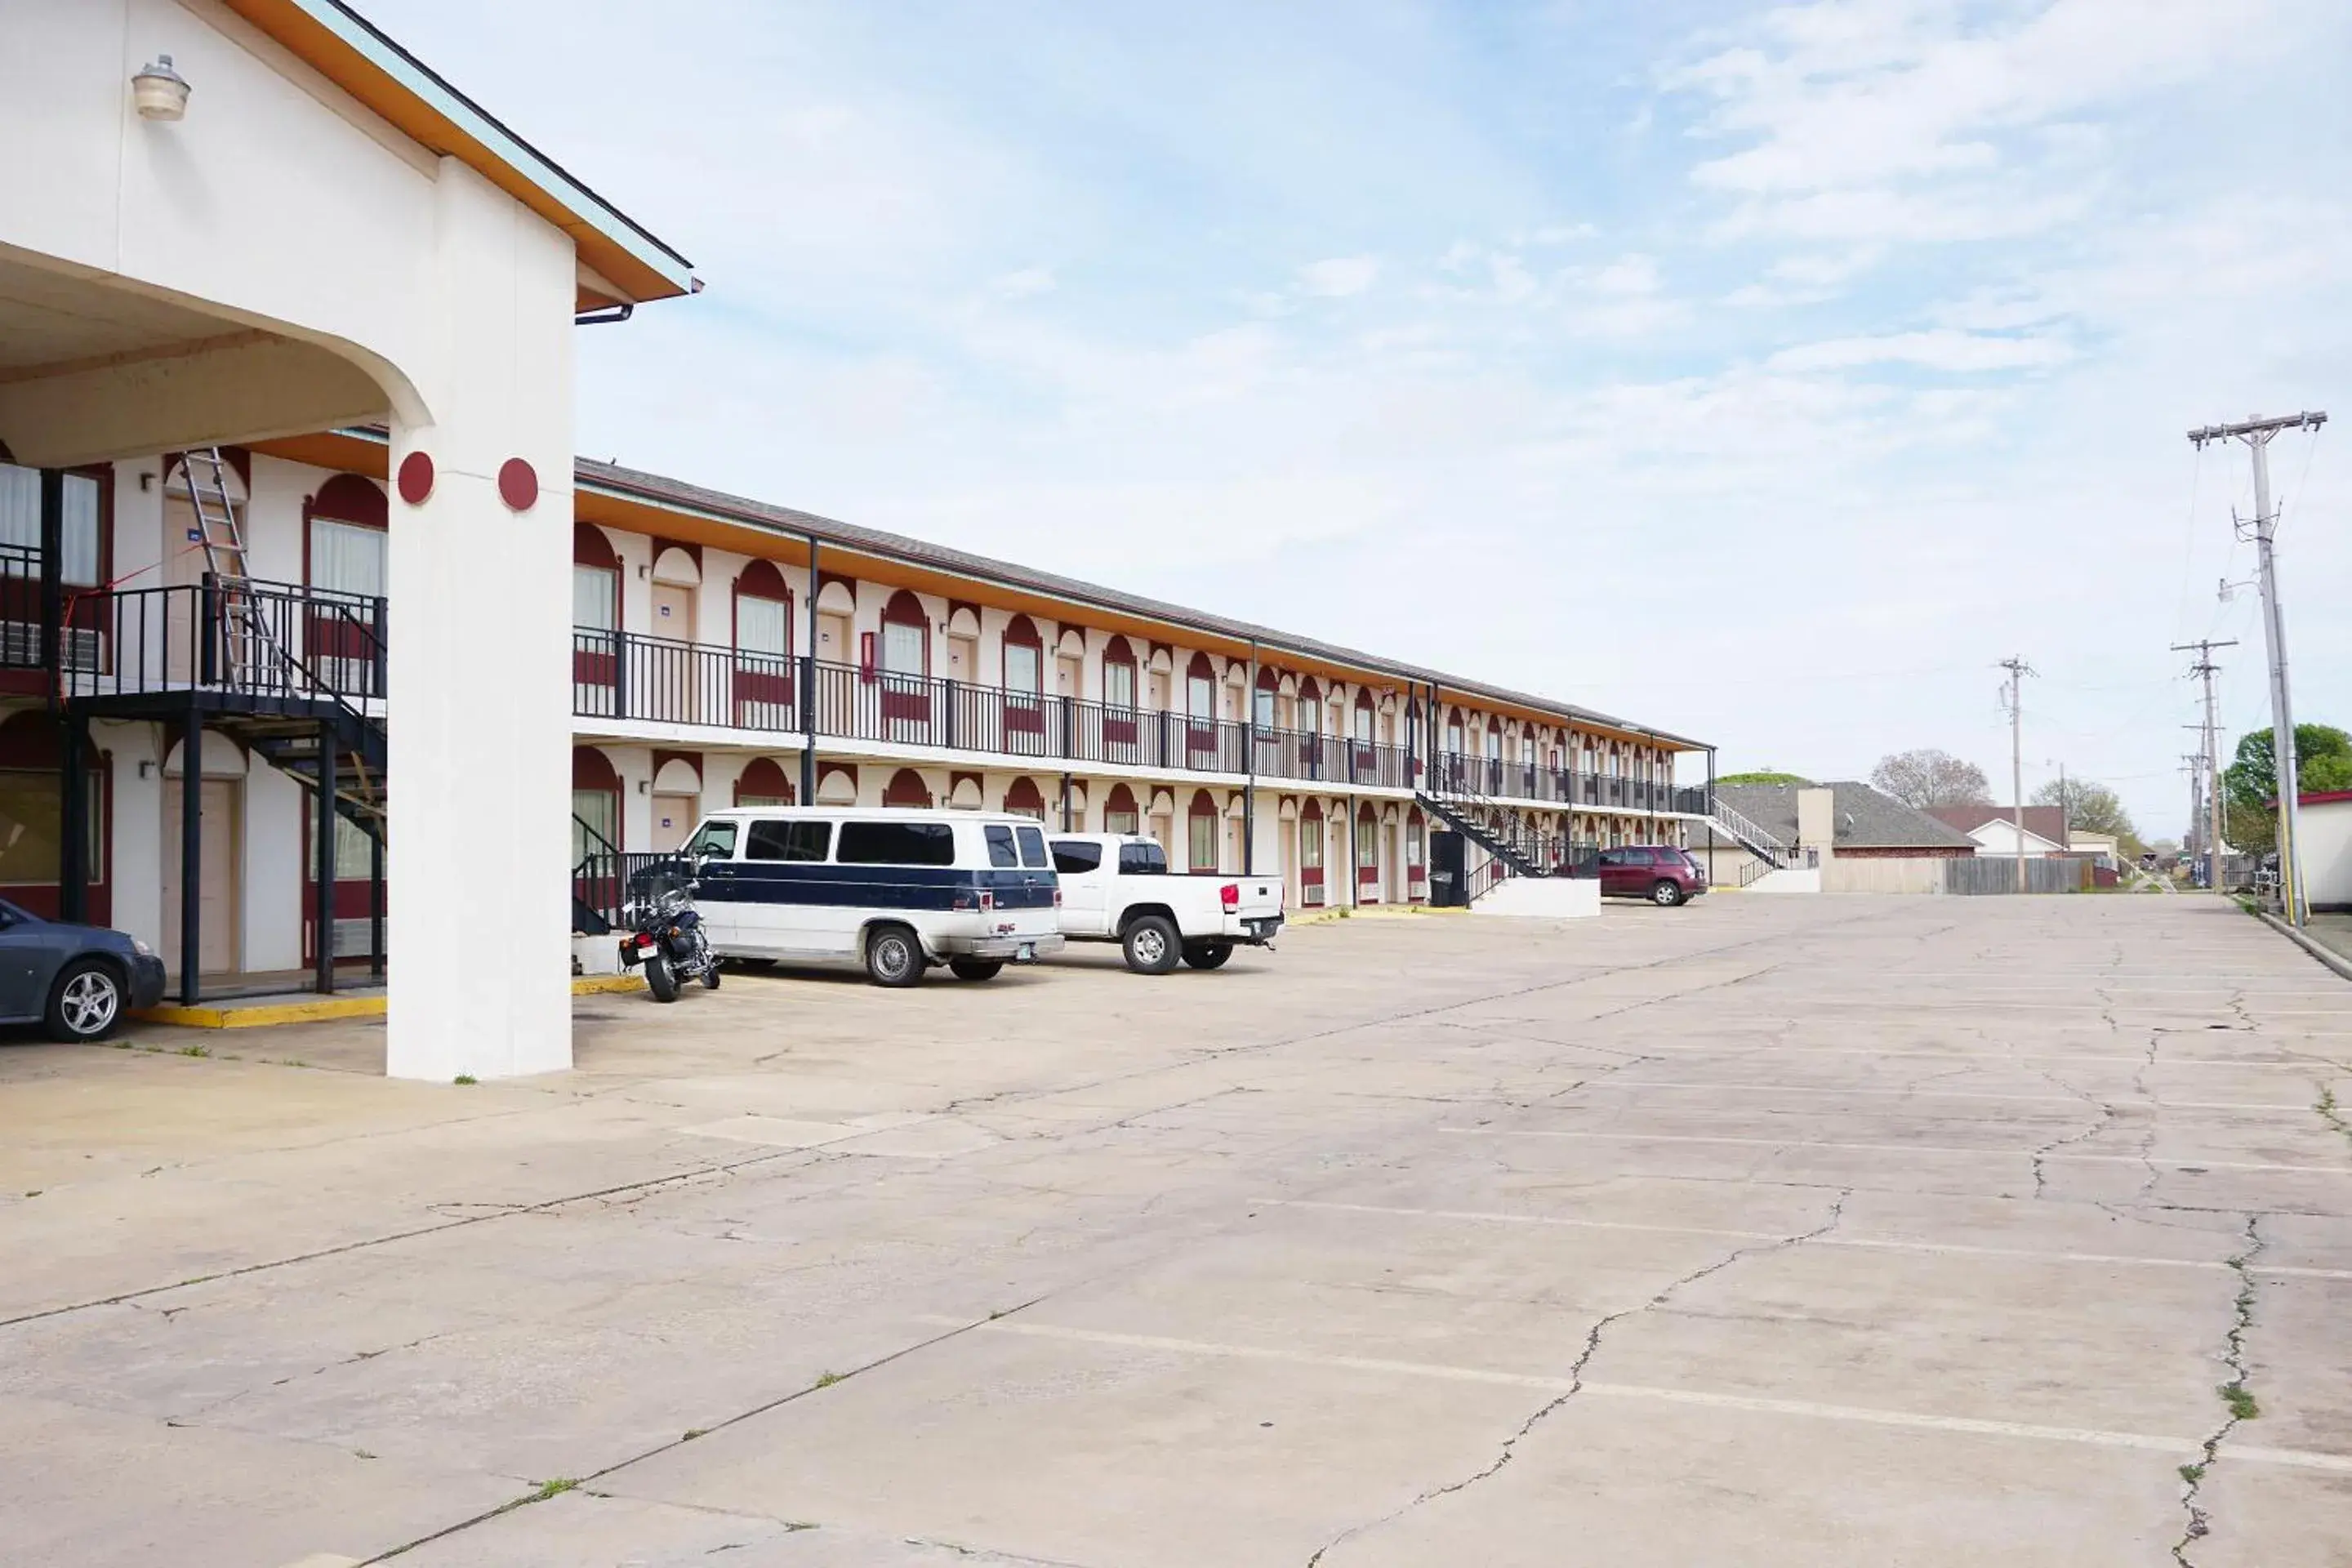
(1504, 832)
(1764, 845)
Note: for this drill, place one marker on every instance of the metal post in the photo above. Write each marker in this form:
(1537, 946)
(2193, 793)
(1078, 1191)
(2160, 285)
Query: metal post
(375, 904)
(323, 845)
(53, 551)
(808, 684)
(2257, 435)
(379, 686)
(1066, 802)
(192, 852)
(73, 823)
(2209, 805)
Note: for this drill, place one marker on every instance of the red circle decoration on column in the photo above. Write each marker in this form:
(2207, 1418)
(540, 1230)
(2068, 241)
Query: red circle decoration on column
(518, 484)
(415, 477)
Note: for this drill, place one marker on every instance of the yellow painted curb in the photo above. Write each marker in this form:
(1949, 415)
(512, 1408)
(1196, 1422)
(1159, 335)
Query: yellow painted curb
(589, 985)
(318, 1009)
(310, 1012)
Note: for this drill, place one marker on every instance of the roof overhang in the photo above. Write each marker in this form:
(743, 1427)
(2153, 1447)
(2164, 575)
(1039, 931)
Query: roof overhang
(614, 251)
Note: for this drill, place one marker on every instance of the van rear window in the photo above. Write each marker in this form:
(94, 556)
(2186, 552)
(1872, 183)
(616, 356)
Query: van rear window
(896, 844)
(1033, 847)
(1001, 852)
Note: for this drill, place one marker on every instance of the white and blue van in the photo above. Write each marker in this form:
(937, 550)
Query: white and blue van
(893, 888)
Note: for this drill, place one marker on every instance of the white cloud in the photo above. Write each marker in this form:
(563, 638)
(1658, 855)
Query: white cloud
(1938, 349)
(1025, 284)
(1338, 276)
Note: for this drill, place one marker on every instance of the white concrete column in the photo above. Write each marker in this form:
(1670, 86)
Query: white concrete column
(480, 679)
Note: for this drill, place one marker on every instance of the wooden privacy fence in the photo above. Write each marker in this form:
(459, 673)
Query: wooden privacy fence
(1998, 874)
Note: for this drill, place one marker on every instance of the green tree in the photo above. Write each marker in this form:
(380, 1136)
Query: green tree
(1762, 777)
(2323, 755)
(2091, 807)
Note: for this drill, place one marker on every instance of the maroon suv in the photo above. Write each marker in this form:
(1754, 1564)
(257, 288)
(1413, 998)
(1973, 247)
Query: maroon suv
(1658, 872)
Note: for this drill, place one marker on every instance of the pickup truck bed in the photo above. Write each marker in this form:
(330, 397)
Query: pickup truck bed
(1117, 888)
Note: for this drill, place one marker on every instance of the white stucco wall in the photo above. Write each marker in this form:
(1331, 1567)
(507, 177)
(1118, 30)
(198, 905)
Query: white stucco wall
(2327, 852)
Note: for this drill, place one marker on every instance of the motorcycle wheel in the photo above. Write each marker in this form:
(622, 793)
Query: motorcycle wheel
(660, 978)
(709, 973)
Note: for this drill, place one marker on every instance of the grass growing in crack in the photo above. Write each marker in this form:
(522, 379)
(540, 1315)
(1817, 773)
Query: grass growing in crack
(826, 1379)
(465, 1077)
(2243, 1406)
(194, 1051)
(691, 1432)
(2329, 1113)
(555, 1488)
(2192, 1474)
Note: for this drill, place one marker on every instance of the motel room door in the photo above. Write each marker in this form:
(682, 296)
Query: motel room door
(219, 907)
(675, 816)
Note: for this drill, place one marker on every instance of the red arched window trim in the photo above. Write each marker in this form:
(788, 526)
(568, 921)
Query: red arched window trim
(907, 788)
(1024, 707)
(763, 683)
(1022, 796)
(764, 780)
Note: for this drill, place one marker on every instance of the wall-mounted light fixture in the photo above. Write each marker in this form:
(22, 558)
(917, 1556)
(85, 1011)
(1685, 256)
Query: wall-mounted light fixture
(146, 767)
(159, 92)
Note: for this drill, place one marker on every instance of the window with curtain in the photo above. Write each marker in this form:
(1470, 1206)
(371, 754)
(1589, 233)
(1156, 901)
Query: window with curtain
(1310, 714)
(1121, 822)
(1202, 842)
(1415, 843)
(1118, 688)
(1024, 668)
(1201, 697)
(601, 810)
(1368, 846)
(20, 521)
(902, 647)
(763, 626)
(30, 816)
(1310, 844)
(1364, 726)
(346, 557)
(1265, 708)
(596, 598)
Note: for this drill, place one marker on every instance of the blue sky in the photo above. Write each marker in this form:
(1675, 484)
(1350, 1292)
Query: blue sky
(1763, 373)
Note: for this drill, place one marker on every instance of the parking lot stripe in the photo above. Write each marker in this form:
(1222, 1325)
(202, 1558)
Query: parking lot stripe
(2184, 1447)
(1895, 1149)
(1957, 1249)
(2297, 1107)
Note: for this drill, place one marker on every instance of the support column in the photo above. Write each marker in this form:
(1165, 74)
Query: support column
(375, 904)
(73, 822)
(481, 553)
(192, 851)
(323, 844)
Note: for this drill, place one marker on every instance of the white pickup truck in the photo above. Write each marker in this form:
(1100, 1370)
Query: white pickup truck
(1117, 888)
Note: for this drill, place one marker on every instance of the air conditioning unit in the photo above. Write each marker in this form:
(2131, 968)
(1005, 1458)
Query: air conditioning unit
(20, 646)
(1311, 895)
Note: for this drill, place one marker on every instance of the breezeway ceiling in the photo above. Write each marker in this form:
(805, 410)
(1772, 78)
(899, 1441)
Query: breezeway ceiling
(52, 321)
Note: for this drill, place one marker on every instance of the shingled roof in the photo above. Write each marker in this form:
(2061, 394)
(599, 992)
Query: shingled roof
(1865, 819)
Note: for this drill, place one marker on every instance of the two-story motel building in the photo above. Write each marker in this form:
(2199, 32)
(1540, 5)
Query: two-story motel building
(291, 528)
(935, 678)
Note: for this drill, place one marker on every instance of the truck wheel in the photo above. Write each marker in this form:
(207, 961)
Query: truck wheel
(1209, 954)
(1151, 945)
(1665, 894)
(85, 1003)
(975, 968)
(660, 978)
(893, 957)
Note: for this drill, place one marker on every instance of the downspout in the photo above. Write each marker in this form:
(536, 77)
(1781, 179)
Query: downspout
(808, 684)
(1249, 765)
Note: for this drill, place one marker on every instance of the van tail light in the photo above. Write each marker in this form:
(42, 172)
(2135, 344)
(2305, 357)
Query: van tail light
(1229, 895)
(987, 899)
(1057, 897)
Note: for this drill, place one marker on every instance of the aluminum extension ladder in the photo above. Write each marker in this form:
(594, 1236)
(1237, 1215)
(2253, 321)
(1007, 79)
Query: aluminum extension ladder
(222, 539)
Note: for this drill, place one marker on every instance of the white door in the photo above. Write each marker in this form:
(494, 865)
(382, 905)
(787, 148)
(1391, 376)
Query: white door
(219, 909)
(1084, 897)
(675, 816)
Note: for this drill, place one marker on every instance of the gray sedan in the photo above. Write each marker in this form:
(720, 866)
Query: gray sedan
(77, 981)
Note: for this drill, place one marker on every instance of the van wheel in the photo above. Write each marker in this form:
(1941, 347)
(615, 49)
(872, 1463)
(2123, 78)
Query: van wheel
(893, 957)
(1209, 954)
(1151, 945)
(975, 968)
(1665, 894)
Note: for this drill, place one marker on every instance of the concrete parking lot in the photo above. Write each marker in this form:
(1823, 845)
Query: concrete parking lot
(1763, 1231)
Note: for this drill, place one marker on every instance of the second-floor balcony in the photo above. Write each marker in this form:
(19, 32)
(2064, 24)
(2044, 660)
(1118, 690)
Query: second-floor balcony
(256, 643)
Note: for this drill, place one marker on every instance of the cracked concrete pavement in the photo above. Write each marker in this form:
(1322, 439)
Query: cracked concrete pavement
(1804, 1231)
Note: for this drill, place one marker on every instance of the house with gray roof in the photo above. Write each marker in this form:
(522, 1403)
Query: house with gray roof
(1844, 835)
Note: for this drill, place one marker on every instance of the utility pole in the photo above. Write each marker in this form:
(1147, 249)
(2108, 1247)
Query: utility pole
(2257, 434)
(2015, 696)
(2212, 803)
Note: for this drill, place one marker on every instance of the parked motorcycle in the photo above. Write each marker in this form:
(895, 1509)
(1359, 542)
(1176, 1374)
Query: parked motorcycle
(667, 935)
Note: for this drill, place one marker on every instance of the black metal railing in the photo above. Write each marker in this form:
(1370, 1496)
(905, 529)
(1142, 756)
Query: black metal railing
(611, 883)
(246, 636)
(1453, 773)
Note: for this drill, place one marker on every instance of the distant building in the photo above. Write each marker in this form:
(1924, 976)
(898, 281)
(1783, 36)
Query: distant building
(1994, 829)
